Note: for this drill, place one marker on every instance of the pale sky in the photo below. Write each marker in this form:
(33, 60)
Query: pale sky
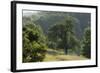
(29, 12)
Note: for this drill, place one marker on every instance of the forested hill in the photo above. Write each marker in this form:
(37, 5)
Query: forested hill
(46, 19)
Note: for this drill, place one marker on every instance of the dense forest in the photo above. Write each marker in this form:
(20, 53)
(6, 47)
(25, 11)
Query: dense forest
(56, 36)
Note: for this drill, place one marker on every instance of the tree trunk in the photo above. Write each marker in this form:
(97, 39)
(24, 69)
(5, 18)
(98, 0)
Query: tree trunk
(66, 50)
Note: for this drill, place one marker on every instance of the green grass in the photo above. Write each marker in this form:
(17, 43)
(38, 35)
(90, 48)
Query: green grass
(54, 55)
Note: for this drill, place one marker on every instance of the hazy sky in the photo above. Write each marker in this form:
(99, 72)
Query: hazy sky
(29, 12)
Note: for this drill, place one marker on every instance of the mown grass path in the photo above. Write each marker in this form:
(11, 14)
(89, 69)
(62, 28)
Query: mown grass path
(54, 55)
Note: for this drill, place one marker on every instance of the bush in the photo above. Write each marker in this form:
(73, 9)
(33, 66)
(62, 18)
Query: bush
(34, 47)
(87, 43)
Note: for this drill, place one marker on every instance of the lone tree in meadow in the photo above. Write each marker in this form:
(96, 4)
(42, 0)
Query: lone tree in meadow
(62, 33)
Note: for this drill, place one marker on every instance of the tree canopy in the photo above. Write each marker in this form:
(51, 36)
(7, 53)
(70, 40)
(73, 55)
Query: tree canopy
(62, 34)
(34, 47)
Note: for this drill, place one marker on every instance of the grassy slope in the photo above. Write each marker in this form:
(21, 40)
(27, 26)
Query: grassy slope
(54, 55)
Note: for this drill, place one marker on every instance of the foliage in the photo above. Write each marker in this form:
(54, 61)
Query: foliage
(87, 43)
(62, 34)
(34, 47)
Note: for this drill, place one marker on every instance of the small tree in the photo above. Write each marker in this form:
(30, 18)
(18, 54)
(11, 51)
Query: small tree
(87, 43)
(34, 47)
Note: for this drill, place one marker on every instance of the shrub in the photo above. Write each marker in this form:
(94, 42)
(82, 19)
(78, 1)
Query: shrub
(34, 47)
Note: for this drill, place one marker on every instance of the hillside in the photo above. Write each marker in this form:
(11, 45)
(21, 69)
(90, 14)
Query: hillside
(46, 19)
